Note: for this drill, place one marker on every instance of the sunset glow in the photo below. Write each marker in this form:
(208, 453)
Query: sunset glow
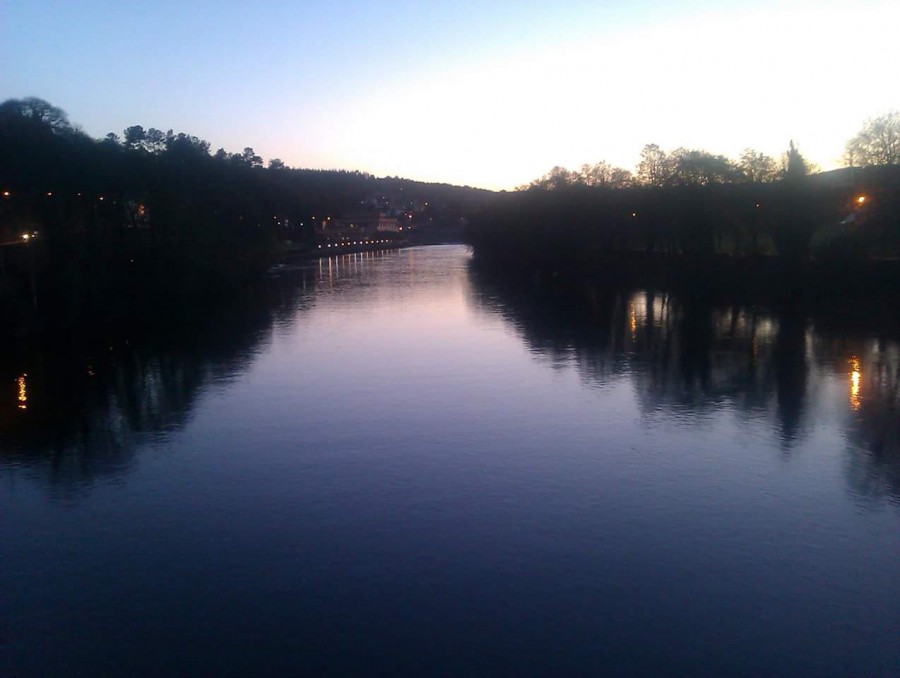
(486, 94)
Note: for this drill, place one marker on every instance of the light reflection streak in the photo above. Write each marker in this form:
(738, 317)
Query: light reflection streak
(648, 309)
(23, 392)
(855, 381)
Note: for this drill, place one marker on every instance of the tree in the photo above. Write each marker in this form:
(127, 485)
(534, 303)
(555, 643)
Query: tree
(757, 167)
(795, 166)
(877, 143)
(794, 229)
(656, 166)
(555, 179)
(248, 158)
(276, 164)
(152, 140)
(184, 145)
(155, 141)
(605, 175)
(134, 136)
(38, 111)
(700, 168)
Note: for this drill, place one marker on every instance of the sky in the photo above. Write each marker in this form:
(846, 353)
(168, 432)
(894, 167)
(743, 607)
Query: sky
(482, 93)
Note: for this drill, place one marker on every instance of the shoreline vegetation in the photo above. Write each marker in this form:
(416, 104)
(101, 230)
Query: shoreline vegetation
(707, 225)
(144, 227)
(820, 236)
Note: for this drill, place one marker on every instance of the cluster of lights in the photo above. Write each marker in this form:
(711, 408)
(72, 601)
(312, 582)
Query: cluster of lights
(356, 242)
(49, 194)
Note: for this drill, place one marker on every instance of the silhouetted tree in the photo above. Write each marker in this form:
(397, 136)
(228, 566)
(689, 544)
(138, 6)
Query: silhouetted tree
(247, 158)
(656, 166)
(605, 175)
(795, 166)
(181, 144)
(699, 168)
(155, 140)
(877, 143)
(555, 179)
(757, 167)
(38, 111)
(134, 136)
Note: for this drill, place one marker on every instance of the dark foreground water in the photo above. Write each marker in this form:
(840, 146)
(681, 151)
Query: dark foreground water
(388, 463)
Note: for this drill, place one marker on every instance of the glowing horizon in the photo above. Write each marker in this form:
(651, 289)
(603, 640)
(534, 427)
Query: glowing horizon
(491, 97)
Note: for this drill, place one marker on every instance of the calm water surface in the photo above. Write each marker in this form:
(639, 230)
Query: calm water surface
(390, 464)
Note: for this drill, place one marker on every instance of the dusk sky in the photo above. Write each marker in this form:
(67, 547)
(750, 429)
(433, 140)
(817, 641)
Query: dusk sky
(488, 93)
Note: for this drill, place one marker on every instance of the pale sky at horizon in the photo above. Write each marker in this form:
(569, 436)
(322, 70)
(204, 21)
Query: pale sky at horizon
(489, 94)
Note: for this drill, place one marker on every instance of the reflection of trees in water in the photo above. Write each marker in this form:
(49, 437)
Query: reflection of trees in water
(790, 368)
(692, 357)
(561, 330)
(75, 411)
(680, 355)
(689, 355)
(872, 373)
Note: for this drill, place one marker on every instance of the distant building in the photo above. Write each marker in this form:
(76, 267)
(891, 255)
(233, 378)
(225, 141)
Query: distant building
(388, 224)
(364, 222)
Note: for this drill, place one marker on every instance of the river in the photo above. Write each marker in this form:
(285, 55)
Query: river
(392, 463)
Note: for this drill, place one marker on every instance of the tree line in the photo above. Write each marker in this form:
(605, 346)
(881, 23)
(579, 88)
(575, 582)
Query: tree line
(687, 207)
(149, 218)
(877, 143)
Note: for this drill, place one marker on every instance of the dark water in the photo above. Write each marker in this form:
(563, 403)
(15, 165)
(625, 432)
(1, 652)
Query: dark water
(390, 463)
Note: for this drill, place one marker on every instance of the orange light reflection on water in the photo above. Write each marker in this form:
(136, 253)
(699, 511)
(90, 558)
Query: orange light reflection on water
(23, 392)
(855, 382)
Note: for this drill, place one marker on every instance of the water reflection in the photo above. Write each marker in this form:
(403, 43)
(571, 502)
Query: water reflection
(855, 377)
(77, 411)
(23, 392)
(690, 356)
(83, 406)
(382, 454)
(873, 431)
